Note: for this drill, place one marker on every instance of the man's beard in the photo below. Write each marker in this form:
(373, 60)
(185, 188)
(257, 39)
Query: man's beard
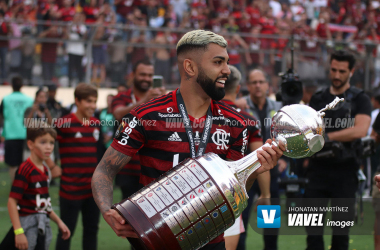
(139, 85)
(209, 86)
(341, 83)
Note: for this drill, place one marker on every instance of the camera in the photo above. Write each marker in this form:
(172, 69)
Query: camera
(291, 87)
(41, 107)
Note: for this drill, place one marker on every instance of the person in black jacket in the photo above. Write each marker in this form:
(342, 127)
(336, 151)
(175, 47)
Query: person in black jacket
(335, 176)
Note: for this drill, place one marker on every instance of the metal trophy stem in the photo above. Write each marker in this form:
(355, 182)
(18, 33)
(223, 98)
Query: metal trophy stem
(200, 198)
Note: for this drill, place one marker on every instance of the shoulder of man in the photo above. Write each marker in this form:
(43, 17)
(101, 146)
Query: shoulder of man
(156, 106)
(274, 105)
(229, 112)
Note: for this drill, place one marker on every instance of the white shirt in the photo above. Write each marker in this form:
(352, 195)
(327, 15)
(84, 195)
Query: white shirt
(76, 48)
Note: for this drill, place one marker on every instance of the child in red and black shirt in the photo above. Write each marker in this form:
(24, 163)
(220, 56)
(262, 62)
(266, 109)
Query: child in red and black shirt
(29, 203)
(80, 147)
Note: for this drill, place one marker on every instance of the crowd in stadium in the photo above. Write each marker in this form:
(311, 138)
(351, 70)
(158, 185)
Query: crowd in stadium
(251, 28)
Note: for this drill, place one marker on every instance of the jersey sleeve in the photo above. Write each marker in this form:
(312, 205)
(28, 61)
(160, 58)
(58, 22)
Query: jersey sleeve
(120, 101)
(20, 184)
(239, 145)
(130, 136)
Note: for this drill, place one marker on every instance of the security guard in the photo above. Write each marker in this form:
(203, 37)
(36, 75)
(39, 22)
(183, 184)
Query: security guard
(332, 172)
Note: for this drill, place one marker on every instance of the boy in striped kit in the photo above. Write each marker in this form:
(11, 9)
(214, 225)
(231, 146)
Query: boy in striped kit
(79, 149)
(29, 203)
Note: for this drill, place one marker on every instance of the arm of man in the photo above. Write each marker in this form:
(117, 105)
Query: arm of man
(129, 138)
(264, 178)
(361, 124)
(102, 188)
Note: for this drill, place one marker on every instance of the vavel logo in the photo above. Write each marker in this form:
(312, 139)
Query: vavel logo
(268, 216)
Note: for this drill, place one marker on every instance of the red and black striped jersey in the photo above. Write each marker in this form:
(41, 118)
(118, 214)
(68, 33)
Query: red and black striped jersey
(31, 188)
(78, 149)
(155, 130)
(251, 122)
(121, 100)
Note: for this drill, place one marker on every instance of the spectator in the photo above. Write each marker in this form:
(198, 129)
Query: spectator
(179, 7)
(77, 31)
(254, 44)
(155, 13)
(39, 110)
(231, 26)
(91, 12)
(66, 13)
(79, 148)
(99, 52)
(310, 9)
(55, 108)
(124, 7)
(12, 110)
(235, 47)
(161, 57)
(262, 107)
(4, 31)
(49, 51)
(140, 92)
(28, 45)
(15, 44)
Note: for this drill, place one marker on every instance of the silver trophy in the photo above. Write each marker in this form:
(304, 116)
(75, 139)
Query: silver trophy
(200, 198)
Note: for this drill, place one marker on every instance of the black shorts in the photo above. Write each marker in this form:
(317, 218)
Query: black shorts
(14, 150)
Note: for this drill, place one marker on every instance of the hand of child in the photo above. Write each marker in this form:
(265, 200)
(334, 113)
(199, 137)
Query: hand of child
(64, 230)
(21, 242)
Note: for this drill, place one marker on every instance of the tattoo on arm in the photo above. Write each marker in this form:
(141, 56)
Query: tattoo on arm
(102, 180)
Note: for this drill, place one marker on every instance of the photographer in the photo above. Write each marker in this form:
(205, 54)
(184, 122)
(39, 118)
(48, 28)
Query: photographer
(332, 172)
(39, 109)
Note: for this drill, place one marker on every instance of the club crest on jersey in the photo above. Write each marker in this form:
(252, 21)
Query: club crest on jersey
(220, 138)
(170, 110)
(95, 134)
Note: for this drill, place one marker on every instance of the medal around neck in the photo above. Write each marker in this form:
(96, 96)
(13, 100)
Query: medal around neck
(200, 198)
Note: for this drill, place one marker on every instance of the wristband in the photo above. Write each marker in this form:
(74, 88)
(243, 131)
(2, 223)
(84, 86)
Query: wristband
(19, 231)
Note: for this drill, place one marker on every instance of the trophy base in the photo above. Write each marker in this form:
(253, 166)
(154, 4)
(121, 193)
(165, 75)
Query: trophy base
(149, 238)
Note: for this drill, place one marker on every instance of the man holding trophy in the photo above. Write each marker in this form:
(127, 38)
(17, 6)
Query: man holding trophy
(154, 130)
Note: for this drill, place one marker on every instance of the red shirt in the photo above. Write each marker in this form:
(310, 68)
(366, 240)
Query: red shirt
(49, 49)
(125, 7)
(30, 188)
(67, 14)
(90, 13)
(78, 149)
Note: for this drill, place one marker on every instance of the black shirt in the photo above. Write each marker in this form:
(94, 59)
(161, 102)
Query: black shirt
(342, 116)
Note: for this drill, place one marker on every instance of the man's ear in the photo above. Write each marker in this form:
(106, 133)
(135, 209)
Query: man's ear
(238, 89)
(190, 68)
(30, 144)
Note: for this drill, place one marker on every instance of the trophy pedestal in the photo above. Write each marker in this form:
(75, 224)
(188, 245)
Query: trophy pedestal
(185, 208)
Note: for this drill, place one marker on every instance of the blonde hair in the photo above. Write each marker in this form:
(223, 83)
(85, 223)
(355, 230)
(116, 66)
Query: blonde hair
(199, 39)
